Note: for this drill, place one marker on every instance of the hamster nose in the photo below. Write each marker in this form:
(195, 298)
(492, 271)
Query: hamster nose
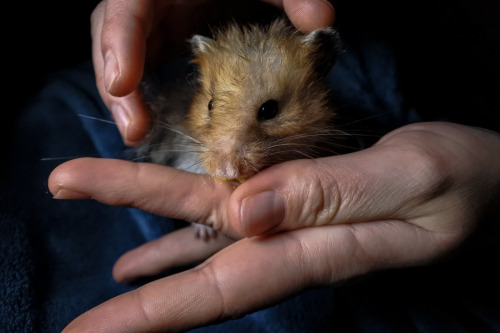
(227, 166)
(233, 169)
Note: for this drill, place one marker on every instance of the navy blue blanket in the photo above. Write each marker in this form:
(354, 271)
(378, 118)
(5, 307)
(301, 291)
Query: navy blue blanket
(56, 256)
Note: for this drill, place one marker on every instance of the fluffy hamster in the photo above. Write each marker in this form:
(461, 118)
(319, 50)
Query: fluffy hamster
(259, 98)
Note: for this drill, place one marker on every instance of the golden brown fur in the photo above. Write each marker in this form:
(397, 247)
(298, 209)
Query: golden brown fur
(241, 69)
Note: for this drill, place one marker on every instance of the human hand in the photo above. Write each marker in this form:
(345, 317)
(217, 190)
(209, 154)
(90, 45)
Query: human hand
(125, 32)
(411, 198)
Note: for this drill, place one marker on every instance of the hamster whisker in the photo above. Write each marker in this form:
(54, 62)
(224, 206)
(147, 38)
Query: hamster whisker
(188, 167)
(292, 154)
(367, 118)
(298, 139)
(311, 150)
(164, 151)
(314, 135)
(256, 169)
(184, 135)
(97, 119)
(181, 146)
(299, 152)
(287, 154)
(171, 128)
(289, 144)
(60, 158)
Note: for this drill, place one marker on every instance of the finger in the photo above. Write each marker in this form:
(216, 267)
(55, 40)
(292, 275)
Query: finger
(248, 275)
(377, 183)
(154, 188)
(175, 249)
(119, 35)
(258, 272)
(126, 25)
(307, 16)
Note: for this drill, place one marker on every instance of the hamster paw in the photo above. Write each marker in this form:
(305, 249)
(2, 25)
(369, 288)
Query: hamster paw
(203, 232)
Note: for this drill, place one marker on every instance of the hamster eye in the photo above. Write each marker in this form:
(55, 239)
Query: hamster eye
(268, 110)
(210, 105)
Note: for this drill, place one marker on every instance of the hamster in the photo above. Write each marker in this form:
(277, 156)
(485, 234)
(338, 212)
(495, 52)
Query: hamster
(259, 98)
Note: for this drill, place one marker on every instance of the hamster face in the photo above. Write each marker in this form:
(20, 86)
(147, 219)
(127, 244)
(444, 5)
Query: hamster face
(262, 98)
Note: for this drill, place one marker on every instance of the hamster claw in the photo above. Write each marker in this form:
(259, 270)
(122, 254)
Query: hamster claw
(203, 232)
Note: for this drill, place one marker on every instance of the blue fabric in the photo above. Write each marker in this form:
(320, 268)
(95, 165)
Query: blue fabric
(56, 256)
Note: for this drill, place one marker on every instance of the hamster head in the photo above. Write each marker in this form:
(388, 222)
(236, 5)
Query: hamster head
(262, 97)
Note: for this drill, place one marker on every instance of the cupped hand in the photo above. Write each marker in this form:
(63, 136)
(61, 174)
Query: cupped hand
(411, 198)
(126, 32)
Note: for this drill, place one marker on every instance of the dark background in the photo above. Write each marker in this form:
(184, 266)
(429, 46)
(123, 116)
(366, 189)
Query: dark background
(42, 37)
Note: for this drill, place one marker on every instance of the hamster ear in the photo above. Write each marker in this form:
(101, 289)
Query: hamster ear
(201, 44)
(325, 47)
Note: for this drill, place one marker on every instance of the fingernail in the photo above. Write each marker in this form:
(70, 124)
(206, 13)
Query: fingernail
(70, 194)
(262, 212)
(110, 71)
(121, 118)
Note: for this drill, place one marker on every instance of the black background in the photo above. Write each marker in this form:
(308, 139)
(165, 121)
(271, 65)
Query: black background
(40, 37)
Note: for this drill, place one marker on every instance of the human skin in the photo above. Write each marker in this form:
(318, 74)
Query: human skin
(126, 32)
(413, 197)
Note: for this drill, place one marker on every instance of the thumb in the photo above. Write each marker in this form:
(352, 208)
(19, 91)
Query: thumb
(284, 197)
(369, 185)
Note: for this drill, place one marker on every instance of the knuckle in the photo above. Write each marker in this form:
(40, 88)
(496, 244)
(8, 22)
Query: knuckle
(320, 195)
(430, 169)
(219, 304)
(142, 310)
(428, 164)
